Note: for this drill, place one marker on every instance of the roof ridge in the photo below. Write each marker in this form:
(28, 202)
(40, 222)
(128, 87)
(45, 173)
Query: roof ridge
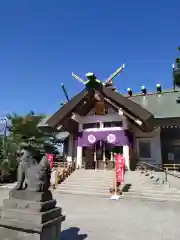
(151, 93)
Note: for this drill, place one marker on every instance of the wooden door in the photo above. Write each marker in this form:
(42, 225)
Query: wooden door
(89, 158)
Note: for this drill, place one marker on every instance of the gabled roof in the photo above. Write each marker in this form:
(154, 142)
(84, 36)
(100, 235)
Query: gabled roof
(66, 110)
(84, 101)
(128, 105)
(163, 105)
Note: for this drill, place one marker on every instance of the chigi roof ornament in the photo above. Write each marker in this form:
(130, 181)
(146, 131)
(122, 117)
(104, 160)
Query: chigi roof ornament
(91, 78)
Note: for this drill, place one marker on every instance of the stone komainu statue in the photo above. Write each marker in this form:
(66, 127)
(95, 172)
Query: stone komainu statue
(25, 160)
(38, 176)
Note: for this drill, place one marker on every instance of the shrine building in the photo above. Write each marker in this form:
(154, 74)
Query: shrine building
(100, 121)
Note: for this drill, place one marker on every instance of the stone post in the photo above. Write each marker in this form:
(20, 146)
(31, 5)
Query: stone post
(30, 215)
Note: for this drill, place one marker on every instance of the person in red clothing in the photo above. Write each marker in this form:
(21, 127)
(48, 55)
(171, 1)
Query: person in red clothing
(50, 159)
(53, 170)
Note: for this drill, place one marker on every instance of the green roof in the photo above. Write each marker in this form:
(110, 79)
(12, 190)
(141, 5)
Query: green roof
(163, 105)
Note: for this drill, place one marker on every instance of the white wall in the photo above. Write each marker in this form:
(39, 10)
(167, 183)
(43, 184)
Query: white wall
(155, 140)
(102, 118)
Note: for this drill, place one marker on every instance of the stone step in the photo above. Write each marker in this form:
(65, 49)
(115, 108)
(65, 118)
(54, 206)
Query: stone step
(152, 190)
(107, 187)
(88, 182)
(94, 183)
(90, 190)
(91, 176)
(108, 195)
(145, 184)
(94, 172)
(151, 198)
(152, 195)
(89, 179)
(83, 186)
(8, 185)
(83, 193)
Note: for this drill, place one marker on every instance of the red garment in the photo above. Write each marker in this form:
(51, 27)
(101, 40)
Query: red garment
(50, 159)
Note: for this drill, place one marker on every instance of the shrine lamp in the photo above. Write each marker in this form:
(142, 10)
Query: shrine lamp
(143, 90)
(158, 88)
(129, 92)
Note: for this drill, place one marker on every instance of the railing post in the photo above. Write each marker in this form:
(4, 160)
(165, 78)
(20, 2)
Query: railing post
(165, 176)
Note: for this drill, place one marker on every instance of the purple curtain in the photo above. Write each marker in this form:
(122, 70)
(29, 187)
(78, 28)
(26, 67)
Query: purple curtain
(116, 138)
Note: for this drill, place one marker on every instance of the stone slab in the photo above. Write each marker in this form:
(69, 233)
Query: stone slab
(30, 216)
(30, 227)
(11, 234)
(12, 203)
(27, 195)
(51, 231)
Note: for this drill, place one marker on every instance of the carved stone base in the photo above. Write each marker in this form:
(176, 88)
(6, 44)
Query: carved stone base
(27, 195)
(34, 218)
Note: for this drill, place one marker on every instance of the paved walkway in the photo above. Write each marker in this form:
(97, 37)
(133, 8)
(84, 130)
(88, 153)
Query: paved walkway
(99, 218)
(126, 219)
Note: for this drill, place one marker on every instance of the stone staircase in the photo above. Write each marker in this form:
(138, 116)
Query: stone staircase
(149, 186)
(87, 182)
(137, 185)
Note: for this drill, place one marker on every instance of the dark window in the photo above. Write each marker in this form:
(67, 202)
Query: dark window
(113, 124)
(91, 125)
(117, 149)
(145, 149)
(99, 150)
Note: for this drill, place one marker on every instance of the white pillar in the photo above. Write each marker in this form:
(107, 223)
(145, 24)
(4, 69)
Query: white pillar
(79, 157)
(126, 147)
(112, 159)
(104, 152)
(125, 124)
(126, 156)
(70, 149)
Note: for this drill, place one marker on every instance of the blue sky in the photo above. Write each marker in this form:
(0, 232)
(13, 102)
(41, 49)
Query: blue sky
(43, 41)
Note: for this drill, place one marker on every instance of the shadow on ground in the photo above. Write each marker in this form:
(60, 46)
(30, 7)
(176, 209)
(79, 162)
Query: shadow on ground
(126, 187)
(72, 234)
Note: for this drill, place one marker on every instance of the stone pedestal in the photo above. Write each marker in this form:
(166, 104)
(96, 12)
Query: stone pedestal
(30, 215)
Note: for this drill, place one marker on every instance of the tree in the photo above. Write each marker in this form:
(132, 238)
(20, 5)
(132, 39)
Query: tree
(24, 130)
(8, 163)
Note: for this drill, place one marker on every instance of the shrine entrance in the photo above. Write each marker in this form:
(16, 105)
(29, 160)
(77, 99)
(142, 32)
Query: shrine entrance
(100, 155)
(88, 157)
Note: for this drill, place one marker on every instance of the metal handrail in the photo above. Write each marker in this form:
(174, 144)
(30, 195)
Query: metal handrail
(172, 166)
(160, 169)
